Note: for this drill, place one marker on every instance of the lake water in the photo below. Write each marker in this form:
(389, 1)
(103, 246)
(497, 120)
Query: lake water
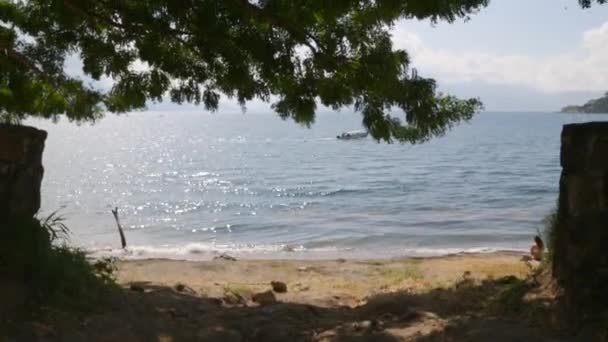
(192, 185)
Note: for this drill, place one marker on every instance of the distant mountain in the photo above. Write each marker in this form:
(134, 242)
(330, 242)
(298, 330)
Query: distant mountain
(593, 106)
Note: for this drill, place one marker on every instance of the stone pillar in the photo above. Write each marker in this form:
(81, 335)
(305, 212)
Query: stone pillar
(21, 170)
(581, 235)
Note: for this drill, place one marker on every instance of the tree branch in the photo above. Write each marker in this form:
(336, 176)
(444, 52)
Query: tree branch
(259, 13)
(128, 28)
(24, 61)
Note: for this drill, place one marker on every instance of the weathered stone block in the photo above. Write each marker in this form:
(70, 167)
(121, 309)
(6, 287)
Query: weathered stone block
(21, 170)
(586, 193)
(581, 236)
(585, 147)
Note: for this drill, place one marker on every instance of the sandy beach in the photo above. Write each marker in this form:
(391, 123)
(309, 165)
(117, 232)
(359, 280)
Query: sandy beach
(451, 298)
(464, 297)
(324, 283)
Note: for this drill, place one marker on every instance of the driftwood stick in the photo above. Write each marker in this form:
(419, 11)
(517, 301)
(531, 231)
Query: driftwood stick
(123, 241)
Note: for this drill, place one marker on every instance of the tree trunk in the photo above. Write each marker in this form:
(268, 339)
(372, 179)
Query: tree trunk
(21, 170)
(580, 244)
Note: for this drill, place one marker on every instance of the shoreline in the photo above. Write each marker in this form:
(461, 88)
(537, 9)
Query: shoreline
(152, 253)
(337, 258)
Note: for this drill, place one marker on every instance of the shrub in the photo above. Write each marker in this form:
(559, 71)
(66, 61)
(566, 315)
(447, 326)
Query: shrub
(47, 271)
(550, 222)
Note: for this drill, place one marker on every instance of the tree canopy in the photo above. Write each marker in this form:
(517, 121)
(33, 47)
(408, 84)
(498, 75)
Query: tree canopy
(297, 53)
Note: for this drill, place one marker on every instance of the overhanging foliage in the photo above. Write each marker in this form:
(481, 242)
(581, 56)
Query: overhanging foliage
(300, 52)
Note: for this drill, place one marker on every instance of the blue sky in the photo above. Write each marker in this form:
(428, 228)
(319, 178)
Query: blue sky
(535, 27)
(516, 55)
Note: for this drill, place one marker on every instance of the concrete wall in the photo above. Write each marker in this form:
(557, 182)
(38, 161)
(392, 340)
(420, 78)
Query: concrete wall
(21, 170)
(581, 236)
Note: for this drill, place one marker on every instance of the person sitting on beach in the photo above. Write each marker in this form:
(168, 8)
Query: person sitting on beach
(536, 251)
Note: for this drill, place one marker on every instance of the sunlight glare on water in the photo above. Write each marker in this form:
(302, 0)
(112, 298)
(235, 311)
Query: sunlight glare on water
(190, 184)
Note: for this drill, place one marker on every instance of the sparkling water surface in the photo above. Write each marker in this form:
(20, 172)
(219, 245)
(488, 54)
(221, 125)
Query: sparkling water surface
(190, 185)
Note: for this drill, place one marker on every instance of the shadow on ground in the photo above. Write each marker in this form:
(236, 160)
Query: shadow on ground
(488, 311)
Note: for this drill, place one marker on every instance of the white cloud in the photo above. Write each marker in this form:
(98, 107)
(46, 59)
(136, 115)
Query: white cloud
(585, 68)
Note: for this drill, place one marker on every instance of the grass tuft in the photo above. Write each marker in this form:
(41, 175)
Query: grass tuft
(396, 276)
(551, 223)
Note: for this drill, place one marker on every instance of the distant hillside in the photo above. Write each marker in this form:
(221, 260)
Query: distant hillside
(594, 106)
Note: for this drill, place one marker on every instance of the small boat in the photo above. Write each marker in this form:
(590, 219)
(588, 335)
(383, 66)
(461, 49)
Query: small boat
(353, 135)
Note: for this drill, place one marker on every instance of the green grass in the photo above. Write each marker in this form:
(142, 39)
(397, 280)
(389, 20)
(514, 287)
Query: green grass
(397, 275)
(237, 291)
